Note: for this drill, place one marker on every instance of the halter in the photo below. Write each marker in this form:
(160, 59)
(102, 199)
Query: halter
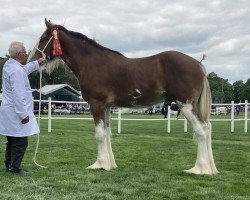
(57, 50)
(42, 51)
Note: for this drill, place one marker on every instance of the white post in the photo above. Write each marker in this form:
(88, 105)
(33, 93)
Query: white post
(168, 119)
(185, 125)
(246, 110)
(119, 120)
(49, 115)
(232, 116)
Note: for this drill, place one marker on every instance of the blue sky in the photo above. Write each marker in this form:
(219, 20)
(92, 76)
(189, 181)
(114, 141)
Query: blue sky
(218, 28)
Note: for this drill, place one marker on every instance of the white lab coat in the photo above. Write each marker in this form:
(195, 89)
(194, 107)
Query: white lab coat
(17, 100)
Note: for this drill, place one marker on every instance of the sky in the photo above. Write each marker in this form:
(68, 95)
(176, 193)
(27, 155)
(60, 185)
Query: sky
(140, 28)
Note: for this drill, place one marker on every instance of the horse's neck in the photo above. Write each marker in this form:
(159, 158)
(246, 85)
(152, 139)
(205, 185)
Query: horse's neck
(80, 57)
(73, 57)
(85, 59)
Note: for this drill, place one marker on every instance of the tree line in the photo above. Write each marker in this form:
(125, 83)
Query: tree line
(238, 91)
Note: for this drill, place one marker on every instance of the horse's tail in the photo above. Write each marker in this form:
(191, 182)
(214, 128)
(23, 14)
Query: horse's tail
(204, 103)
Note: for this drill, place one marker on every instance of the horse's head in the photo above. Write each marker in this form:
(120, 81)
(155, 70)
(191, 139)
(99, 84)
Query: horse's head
(45, 45)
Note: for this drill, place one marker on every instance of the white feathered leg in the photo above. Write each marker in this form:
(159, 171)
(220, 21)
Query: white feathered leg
(102, 161)
(208, 130)
(105, 158)
(202, 164)
(109, 135)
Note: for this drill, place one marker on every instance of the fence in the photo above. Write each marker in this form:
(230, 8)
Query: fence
(168, 119)
(232, 118)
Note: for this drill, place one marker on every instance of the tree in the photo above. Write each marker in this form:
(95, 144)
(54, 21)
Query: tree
(246, 91)
(220, 87)
(215, 84)
(60, 75)
(238, 88)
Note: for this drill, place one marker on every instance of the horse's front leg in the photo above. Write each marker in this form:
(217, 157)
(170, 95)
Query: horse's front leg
(105, 158)
(109, 134)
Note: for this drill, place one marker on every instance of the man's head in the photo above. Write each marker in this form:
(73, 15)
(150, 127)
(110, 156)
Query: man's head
(17, 51)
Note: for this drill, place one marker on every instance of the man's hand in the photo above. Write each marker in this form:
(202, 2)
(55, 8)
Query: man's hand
(41, 60)
(25, 120)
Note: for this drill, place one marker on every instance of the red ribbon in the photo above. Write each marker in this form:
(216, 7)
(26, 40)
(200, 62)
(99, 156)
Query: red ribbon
(57, 50)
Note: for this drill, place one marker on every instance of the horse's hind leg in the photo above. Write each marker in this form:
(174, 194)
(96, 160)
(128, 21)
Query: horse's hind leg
(208, 129)
(203, 160)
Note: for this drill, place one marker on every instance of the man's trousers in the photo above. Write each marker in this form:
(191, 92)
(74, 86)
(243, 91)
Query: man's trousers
(15, 149)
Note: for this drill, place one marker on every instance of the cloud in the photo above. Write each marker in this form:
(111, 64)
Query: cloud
(141, 28)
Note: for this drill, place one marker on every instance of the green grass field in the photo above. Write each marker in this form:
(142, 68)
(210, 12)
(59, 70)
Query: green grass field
(150, 163)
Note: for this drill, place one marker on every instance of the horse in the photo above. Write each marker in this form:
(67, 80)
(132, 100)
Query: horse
(108, 79)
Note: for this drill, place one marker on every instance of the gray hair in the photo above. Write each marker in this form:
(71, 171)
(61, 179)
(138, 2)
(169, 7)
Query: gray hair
(15, 47)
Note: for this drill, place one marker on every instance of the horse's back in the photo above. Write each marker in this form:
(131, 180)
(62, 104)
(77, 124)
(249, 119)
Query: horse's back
(180, 75)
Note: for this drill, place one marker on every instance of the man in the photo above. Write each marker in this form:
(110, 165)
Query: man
(17, 120)
(164, 109)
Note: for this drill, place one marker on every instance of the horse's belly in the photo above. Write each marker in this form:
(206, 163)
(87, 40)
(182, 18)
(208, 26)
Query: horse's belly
(138, 99)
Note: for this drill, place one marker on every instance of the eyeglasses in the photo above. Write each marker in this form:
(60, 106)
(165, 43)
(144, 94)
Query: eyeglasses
(24, 52)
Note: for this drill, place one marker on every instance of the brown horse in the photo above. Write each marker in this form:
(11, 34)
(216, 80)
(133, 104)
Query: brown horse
(108, 78)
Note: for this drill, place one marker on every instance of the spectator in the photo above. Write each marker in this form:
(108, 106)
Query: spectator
(150, 110)
(164, 109)
(237, 109)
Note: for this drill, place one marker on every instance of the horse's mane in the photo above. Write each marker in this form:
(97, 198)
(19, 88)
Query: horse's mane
(85, 38)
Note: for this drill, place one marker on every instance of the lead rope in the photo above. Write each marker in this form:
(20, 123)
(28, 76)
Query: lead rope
(39, 122)
(39, 108)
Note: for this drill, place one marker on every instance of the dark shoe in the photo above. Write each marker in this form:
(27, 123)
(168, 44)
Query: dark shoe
(7, 170)
(19, 171)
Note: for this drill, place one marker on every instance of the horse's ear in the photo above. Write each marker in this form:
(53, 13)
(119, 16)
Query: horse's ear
(48, 24)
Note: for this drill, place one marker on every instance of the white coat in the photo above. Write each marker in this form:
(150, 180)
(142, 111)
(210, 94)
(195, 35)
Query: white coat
(17, 100)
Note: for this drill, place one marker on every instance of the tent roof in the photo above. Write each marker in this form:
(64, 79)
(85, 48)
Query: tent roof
(47, 89)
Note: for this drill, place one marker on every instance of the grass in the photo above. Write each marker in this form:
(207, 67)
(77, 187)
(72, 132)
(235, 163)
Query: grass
(150, 164)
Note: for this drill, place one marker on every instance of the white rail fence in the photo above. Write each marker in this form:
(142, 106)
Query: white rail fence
(168, 120)
(232, 118)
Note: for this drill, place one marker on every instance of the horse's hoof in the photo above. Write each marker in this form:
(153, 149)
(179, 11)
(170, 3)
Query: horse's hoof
(201, 170)
(193, 171)
(97, 165)
(115, 166)
(94, 166)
